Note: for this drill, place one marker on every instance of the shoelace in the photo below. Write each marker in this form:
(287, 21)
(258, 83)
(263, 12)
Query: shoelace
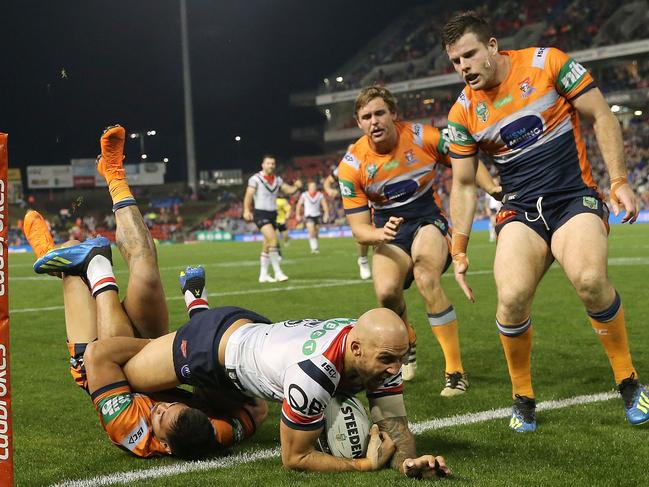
(525, 407)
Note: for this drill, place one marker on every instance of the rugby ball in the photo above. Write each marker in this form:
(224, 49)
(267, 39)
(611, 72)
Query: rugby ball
(347, 428)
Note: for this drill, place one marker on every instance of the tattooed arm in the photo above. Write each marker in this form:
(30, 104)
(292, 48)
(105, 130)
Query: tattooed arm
(389, 413)
(403, 439)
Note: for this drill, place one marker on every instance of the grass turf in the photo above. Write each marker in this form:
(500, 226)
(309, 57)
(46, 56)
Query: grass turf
(57, 435)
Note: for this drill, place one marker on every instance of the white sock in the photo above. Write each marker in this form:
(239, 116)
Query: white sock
(362, 260)
(194, 303)
(264, 261)
(100, 275)
(274, 260)
(313, 243)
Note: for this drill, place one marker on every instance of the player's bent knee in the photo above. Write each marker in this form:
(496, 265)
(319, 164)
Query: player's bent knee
(591, 287)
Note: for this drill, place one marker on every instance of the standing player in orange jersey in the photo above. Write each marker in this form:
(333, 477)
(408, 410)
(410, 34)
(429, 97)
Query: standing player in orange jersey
(330, 186)
(174, 422)
(391, 169)
(522, 108)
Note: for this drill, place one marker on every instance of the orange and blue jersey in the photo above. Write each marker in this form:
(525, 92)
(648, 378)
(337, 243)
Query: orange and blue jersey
(398, 183)
(527, 125)
(126, 417)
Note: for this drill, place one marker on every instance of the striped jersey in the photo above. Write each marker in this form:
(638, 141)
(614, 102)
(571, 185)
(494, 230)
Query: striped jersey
(126, 417)
(266, 190)
(312, 203)
(402, 179)
(527, 125)
(298, 363)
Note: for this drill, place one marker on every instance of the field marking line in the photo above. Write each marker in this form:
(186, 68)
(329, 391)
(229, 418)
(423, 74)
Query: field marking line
(247, 457)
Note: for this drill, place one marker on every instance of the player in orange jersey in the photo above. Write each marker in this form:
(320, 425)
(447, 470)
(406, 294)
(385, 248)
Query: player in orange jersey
(145, 425)
(522, 109)
(391, 170)
(330, 186)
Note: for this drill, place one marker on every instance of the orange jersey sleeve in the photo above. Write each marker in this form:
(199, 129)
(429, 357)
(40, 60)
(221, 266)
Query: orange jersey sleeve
(571, 78)
(461, 142)
(126, 418)
(351, 184)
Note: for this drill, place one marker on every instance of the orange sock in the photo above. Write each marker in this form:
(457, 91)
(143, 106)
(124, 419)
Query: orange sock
(517, 344)
(611, 331)
(444, 327)
(119, 190)
(412, 335)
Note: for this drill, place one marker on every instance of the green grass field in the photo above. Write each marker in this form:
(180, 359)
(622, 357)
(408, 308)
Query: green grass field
(58, 436)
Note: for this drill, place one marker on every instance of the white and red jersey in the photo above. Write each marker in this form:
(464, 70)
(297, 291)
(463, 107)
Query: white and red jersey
(312, 203)
(299, 363)
(266, 190)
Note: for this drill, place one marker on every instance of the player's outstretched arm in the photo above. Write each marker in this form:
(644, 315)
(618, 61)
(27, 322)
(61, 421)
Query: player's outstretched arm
(298, 452)
(367, 234)
(247, 203)
(592, 106)
(463, 203)
(291, 188)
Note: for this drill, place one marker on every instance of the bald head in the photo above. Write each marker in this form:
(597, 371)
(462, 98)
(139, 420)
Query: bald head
(382, 326)
(376, 347)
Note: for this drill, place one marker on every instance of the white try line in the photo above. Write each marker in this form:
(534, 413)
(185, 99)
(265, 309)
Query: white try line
(248, 457)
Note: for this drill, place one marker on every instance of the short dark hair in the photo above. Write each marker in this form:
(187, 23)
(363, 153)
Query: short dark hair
(192, 436)
(269, 156)
(465, 22)
(368, 94)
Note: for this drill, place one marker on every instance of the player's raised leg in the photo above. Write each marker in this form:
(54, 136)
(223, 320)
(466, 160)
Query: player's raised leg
(522, 257)
(79, 307)
(581, 247)
(144, 303)
(430, 254)
(393, 265)
(192, 285)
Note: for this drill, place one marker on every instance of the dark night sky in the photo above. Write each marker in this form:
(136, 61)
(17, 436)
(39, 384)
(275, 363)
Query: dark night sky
(123, 65)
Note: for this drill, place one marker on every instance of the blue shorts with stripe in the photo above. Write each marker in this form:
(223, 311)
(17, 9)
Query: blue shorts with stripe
(196, 344)
(546, 214)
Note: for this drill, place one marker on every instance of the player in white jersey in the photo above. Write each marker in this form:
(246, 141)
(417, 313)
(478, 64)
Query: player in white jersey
(301, 364)
(330, 186)
(493, 207)
(312, 207)
(263, 188)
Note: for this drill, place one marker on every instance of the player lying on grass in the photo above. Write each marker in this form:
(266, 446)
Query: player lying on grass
(301, 363)
(146, 425)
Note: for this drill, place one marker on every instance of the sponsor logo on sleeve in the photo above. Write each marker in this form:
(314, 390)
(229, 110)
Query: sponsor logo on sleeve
(347, 189)
(113, 406)
(459, 135)
(570, 75)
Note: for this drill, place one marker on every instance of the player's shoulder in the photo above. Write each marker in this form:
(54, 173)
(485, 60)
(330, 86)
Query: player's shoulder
(542, 57)
(352, 159)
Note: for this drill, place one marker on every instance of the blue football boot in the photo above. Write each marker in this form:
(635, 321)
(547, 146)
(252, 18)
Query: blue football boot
(73, 260)
(192, 279)
(636, 400)
(523, 418)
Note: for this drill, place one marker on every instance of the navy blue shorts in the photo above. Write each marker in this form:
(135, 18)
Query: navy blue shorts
(555, 211)
(196, 345)
(316, 220)
(263, 218)
(281, 227)
(409, 228)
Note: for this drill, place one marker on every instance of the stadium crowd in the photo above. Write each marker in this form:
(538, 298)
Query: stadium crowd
(568, 25)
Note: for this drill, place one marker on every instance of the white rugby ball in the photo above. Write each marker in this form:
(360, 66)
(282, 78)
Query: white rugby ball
(347, 428)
